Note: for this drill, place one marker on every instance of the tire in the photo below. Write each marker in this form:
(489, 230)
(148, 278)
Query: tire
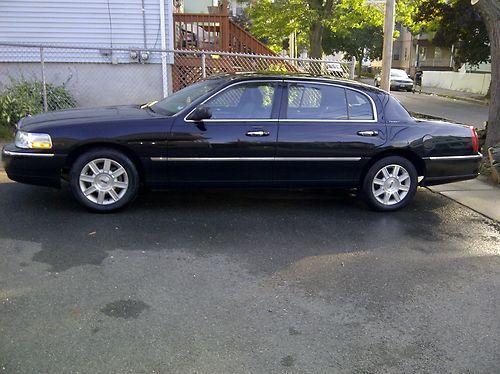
(390, 183)
(104, 180)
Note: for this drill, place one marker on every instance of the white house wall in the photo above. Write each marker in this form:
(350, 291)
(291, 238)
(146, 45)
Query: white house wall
(458, 81)
(78, 23)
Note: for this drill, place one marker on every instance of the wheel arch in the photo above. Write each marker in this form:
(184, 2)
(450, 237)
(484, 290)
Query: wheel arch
(78, 151)
(411, 156)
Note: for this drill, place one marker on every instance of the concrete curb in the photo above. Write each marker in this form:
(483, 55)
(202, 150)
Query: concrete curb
(461, 98)
(477, 194)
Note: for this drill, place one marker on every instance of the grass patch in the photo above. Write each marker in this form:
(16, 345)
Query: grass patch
(6, 133)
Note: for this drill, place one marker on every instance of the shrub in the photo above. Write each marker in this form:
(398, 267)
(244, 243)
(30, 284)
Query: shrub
(23, 98)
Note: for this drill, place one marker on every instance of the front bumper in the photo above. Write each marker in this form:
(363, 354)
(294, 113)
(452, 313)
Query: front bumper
(32, 166)
(446, 169)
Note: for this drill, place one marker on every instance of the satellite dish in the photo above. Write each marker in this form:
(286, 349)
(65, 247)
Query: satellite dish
(474, 2)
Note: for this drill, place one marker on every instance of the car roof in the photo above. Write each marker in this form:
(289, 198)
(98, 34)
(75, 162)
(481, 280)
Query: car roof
(234, 77)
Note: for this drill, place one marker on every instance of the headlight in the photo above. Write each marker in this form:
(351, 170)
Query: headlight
(31, 140)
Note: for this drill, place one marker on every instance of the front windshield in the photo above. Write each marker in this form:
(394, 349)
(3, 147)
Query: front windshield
(174, 103)
(398, 73)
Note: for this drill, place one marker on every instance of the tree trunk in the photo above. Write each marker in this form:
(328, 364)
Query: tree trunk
(490, 13)
(360, 65)
(315, 39)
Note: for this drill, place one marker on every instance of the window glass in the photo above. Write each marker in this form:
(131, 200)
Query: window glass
(310, 101)
(394, 111)
(359, 106)
(176, 102)
(247, 100)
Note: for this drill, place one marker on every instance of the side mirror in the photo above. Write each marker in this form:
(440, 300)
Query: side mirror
(200, 113)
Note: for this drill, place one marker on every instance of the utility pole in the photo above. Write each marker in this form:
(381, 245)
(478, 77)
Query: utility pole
(387, 52)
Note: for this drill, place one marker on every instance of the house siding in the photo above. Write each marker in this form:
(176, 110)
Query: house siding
(77, 23)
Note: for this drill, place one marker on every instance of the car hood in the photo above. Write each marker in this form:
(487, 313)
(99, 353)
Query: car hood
(83, 115)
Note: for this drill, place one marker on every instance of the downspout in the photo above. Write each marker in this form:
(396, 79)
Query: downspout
(170, 44)
(144, 24)
(163, 30)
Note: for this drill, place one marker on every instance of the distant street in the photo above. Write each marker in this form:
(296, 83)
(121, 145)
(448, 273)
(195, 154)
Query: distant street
(451, 109)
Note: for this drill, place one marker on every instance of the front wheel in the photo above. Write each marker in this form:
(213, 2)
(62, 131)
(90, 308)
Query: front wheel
(104, 180)
(390, 183)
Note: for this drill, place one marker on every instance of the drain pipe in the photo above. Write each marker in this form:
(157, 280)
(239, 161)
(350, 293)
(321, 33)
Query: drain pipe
(144, 24)
(164, 65)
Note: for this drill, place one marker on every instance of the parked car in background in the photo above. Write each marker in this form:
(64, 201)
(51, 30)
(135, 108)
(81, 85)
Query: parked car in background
(335, 69)
(245, 130)
(399, 80)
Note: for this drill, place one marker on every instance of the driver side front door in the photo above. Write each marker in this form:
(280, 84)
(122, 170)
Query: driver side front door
(237, 144)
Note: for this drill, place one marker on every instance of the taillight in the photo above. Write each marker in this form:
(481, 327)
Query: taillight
(475, 140)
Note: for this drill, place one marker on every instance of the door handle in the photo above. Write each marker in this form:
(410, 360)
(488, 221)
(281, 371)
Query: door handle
(368, 133)
(257, 133)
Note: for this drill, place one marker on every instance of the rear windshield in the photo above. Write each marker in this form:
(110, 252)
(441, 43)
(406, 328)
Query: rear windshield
(398, 74)
(395, 111)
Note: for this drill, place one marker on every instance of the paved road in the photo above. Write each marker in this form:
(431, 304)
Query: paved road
(251, 281)
(454, 110)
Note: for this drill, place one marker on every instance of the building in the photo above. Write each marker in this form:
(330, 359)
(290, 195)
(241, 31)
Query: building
(122, 38)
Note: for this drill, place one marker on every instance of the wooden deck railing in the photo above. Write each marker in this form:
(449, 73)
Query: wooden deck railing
(241, 41)
(214, 32)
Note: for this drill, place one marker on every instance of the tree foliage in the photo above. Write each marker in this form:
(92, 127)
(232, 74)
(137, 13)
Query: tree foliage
(344, 24)
(457, 23)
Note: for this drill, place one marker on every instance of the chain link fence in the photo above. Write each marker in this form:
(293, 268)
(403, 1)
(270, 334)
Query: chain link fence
(65, 76)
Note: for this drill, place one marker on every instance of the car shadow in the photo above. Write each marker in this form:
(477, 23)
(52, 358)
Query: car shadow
(255, 225)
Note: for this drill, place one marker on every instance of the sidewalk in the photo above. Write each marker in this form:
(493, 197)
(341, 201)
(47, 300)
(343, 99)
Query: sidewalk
(476, 194)
(452, 94)
(2, 143)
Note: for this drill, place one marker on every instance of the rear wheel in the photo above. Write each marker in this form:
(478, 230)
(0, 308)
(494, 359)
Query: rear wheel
(390, 184)
(104, 180)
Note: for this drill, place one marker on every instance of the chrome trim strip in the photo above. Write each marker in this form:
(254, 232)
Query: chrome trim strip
(255, 158)
(25, 154)
(313, 121)
(317, 159)
(237, 120)
(467, 157)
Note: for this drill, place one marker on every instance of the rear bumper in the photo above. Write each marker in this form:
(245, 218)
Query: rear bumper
(405, 85)
(446, 169)
(32, 167)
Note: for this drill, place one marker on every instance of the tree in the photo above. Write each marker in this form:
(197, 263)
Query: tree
(355, 42)
(456, 23)
(312, 20)
(490, 13)
(274, 21)
(458, 17)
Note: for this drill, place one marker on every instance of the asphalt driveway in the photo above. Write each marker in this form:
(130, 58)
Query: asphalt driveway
(251, 281)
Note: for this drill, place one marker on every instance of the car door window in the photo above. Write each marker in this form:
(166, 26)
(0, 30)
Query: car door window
(359, 106)
(243, 101)
(316, 101)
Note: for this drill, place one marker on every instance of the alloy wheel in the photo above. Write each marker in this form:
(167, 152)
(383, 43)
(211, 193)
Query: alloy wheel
(103, 181)
(391, 184)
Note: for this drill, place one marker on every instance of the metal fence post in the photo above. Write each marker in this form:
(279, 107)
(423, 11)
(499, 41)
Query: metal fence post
(352, 67)
(44, 86)
(203, 65)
